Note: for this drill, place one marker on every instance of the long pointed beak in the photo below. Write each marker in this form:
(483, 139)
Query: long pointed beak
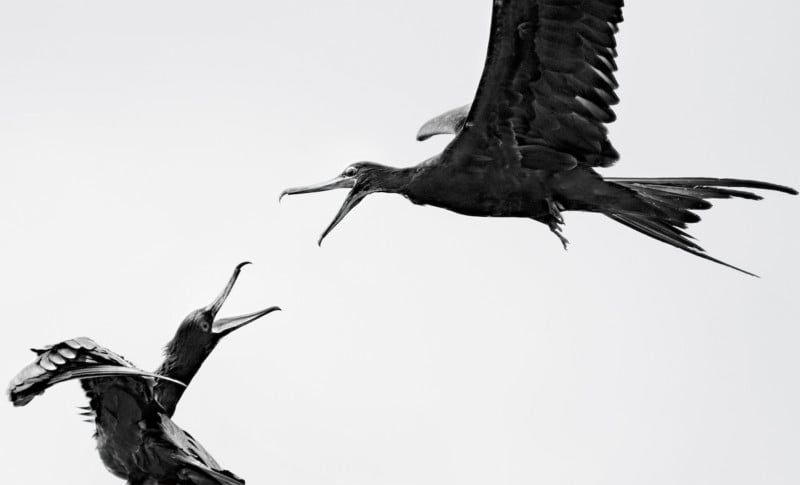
(214, 306)
(352, 200)
(224, 326)
(340, 182)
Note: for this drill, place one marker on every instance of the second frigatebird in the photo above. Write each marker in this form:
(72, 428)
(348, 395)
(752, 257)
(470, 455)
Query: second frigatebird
(530, 143)
(136, 437)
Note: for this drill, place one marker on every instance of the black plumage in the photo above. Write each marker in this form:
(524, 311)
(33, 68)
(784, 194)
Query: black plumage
(131, 409)
(532, 139)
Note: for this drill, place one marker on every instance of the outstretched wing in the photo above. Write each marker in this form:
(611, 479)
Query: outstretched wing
(547, 87)
(78, 358)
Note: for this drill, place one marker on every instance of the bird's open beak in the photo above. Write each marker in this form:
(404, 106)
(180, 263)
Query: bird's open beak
(352, 200)
(224, 326)
(341, 182)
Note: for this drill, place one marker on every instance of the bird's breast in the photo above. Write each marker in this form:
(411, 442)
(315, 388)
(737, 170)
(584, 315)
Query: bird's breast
(482, 193)
(120, 422)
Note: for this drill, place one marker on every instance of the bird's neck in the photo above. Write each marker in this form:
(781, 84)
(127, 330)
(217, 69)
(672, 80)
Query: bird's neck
(180, 363)
(397, 180)
(181, 367)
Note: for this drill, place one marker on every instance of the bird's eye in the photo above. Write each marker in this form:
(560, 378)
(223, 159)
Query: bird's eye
(350, 171)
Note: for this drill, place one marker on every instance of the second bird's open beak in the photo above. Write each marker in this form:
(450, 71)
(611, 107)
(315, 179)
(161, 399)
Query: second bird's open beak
(224, 326)
(341, 182)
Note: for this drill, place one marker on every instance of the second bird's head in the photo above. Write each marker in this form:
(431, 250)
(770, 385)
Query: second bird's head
(362, 178)
(201, 330)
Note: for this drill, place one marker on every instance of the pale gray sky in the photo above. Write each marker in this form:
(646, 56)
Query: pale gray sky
(144, 145)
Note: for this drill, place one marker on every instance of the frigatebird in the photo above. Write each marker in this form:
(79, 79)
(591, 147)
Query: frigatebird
(188, 349)
(530, 142)
(131, 408)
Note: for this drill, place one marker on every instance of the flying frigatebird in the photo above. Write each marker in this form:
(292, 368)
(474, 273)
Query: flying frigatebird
(531, 141)
(136, 437)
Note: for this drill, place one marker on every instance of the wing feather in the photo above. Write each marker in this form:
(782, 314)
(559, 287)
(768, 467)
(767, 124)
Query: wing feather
(548, 81)
(79, 358)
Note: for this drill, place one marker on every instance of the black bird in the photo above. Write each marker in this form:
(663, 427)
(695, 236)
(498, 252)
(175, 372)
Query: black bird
(136, 438)
(531, 141)
(188, 349)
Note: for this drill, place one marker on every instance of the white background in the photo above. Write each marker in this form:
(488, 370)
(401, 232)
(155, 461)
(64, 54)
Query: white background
(144, 145)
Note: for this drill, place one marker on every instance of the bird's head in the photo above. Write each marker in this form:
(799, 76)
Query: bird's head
(201, 330)
(362, 178)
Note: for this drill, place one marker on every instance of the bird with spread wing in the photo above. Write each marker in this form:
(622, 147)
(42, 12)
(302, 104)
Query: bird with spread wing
(530, 143)
(131, 408)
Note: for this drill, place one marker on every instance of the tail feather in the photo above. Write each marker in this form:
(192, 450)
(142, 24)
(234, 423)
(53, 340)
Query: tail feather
(669, 202)
(706, 192)
(707, 182)
(675, 207)
(666, 194)
(663, 233)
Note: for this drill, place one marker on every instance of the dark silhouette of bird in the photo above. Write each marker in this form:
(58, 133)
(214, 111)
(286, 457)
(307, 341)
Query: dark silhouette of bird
(131, 408)
(529, 144)
(189, 348)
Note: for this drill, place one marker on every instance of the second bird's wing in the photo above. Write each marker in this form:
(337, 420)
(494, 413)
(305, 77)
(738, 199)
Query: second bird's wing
(547, 87)
(78, 358)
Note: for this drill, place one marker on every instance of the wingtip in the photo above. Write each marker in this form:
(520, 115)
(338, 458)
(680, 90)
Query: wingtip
(776, 187)
(423, 136)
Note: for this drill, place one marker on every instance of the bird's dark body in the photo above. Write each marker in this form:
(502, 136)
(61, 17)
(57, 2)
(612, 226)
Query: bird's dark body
(122, 414)
(529, 144)
(526, 193)
(136, 440)
(476, 191)
(132, 409)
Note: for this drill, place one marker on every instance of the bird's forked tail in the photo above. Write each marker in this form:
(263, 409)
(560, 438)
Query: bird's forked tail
(668, 205)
